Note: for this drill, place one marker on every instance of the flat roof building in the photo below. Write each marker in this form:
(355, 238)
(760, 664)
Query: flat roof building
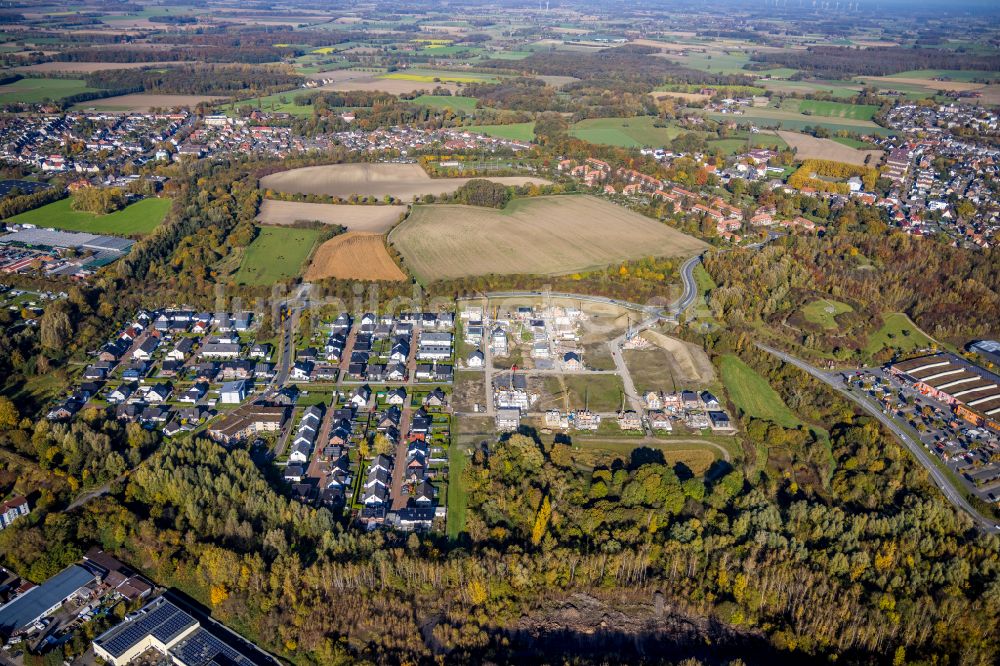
(44, 599)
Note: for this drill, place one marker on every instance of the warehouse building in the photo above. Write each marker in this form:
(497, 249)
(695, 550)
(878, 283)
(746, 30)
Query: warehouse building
(973, 392)
(45, 599)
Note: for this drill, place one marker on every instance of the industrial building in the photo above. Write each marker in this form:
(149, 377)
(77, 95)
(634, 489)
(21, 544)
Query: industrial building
(43, 600)
(973, 392)
(165, 628)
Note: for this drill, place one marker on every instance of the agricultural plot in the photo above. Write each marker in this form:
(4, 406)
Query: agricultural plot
(624, 132)
(809, 147)
(830, 109)
(277, 103)
(34, 91)
(87, 67)
(375, 219)
(790, 120)
(736, 145)
(542, 235)
(355, 255)
(142, 102)
(136, 220)
(402, 181)
(440, 75)
(453, 102)
(514, 132)
(824, 311)
(753, 395)
(839, 89)
(276, 254)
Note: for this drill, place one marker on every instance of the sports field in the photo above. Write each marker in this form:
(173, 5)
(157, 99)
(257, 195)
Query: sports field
(355, 255)
(515, 132)
(824, 311)
(136, 220)
(402, 181)
(753, 395)
(276, 254)
(624, 132)
(34, 91)
(541, 235)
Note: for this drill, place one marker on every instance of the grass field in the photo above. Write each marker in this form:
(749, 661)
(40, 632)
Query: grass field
(840, 89)
(830, 109)
(734, 146)
(276, 103)
(138, 219)
(855, 143)
(276, 254)
(968, 75)
(34, 91)
(897, 332)
(540, 235)
(824, 312)
(602, 393)
(458, 499)
(515, 132)
(791, 120)
(454, 102)
(355, 255)
(753, 395)
(624, 132)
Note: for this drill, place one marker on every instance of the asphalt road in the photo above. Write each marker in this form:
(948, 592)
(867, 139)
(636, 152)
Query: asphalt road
(953, 495)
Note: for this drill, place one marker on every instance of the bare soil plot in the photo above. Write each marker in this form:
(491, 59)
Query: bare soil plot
(142, 102)
(375, 219)
(660, 95)
(809, 147)
(355, 255)
(930, 84)
(990, 95)
(89, 67)
(542, 235)
(688, 361)
(403, 181)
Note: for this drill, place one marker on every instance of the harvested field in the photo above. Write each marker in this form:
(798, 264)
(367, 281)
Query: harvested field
(403, 181)
(371, 82)
(88, 67)
(142, 102)
(543, 235)
(929, 83)
(661, 95)
(809, 147)
(355, 255)
(376, 219)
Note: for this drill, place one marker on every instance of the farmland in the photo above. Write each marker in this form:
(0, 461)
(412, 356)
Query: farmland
(138, 219)
(143, 102)
(276, 254)
(402, 181)
(809, 147)
(378, 219)
(543, 235)
(753, 395)
(453, 102)
(624, 132)
(830, 109)
(33, 91)
(355, 255)
(439, 75)
(514, 132)
(791, 120)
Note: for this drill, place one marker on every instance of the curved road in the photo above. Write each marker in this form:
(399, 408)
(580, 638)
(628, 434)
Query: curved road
(916, 448)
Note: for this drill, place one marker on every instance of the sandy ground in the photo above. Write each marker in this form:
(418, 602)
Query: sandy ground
(88, 67)
(542, 235)
(355, 255)
(403, 181)
(689, 359)
(827, 149)
(141, 102)
(377, 219)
